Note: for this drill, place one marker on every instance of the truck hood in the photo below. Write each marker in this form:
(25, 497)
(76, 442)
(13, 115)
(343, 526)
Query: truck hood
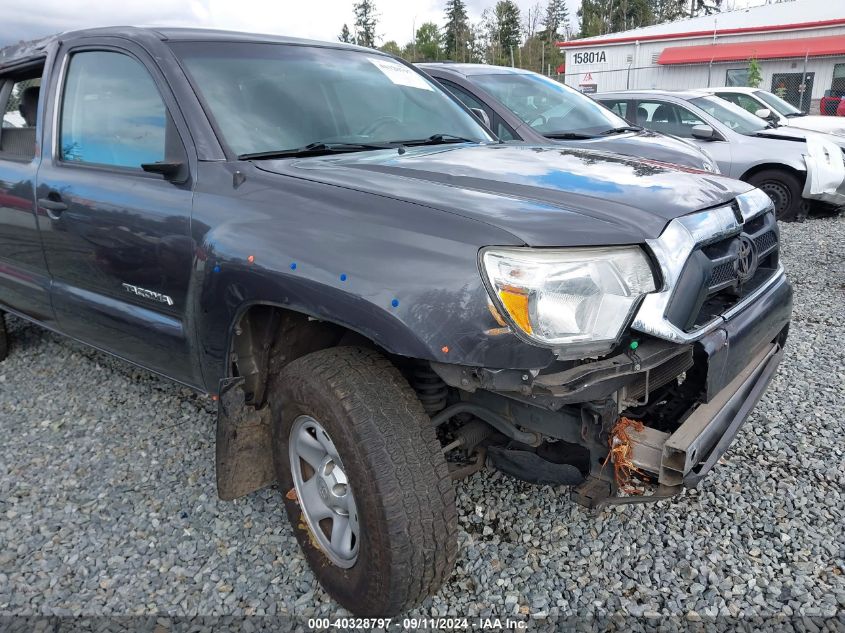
(545, 196)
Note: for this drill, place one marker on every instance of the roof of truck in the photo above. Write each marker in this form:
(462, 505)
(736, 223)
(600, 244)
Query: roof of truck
(25, 50)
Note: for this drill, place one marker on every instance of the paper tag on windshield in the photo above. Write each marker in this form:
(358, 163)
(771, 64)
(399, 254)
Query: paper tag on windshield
(399, 74)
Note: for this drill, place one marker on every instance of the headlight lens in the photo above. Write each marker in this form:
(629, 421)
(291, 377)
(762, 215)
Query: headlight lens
(579, 298)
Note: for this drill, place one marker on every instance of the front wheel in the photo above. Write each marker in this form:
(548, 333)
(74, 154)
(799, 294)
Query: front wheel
(783, 188)
(4, 338)
(364, 481)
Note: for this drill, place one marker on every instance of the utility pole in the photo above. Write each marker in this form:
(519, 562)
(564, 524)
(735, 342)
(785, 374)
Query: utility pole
(512, 64)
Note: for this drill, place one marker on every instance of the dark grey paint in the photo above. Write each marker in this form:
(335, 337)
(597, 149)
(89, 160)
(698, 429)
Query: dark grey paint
(400, 227)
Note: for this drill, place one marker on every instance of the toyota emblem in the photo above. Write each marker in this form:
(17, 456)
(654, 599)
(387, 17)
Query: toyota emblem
(746, 261)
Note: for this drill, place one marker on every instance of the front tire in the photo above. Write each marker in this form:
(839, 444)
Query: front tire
(380, 480)
(4, 338)
(784, 189)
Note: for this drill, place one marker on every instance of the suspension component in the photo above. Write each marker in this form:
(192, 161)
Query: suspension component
(431, 389)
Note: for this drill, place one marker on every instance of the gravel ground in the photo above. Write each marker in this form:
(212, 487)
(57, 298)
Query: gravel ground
(108, 504)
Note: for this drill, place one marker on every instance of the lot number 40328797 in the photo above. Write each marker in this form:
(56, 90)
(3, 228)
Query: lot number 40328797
(590, 57)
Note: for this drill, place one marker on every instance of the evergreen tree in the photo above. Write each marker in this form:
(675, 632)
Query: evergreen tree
(345, 36)
(366, 19)
(507, 28)
(556, 20)
(457, 31)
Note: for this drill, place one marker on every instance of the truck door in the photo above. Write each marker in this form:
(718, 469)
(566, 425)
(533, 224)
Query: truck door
(116, 237)
(24, 282)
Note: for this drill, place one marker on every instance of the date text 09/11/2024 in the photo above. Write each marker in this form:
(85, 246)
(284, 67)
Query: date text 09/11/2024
(418, 623)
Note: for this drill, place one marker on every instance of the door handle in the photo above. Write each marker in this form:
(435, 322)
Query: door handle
(53, 205)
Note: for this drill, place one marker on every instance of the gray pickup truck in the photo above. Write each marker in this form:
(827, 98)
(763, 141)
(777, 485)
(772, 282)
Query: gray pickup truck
(381, 296)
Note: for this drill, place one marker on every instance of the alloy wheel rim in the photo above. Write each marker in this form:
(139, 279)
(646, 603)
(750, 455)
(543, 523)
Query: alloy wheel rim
(324, 491)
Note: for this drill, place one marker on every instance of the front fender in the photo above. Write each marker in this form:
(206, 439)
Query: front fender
(404, 276)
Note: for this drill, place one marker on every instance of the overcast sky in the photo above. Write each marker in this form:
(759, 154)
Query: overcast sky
(317, 19)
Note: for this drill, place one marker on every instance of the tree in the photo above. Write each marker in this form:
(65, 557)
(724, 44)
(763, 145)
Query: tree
(392, 48)
(755, 77)
(345, 36)
(366, 18)
(429, 42)
(608, 16)
(507, 27)
(704, 7)
(668, 10)
(457, 33)
(556, 21)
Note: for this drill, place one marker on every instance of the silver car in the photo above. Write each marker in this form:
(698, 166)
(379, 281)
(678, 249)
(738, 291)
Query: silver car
(793, 166)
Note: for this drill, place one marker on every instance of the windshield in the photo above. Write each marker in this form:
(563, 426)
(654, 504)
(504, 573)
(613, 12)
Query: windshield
(549, 106)
(276, 97)
(777, 104)
(731, 115)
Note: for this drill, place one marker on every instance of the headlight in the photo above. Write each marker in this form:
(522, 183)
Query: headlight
(579, 299)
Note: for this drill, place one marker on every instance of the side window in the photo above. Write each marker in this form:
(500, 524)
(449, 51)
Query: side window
(667, 118)
(112, 113)
(620, 107)
(463, 96)
(17, 136)
(743, 101)
(496, 124)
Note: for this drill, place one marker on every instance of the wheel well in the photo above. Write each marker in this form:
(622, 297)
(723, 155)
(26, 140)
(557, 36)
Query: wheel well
(801, 175)
(265, 338)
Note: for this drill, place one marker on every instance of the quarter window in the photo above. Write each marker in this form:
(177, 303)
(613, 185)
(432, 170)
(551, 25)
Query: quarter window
(112, 113)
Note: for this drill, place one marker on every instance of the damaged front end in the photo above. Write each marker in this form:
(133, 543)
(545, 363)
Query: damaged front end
(642, 423)
(825, 171)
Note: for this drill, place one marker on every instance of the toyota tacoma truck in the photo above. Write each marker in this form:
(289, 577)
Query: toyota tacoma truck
(381, 297)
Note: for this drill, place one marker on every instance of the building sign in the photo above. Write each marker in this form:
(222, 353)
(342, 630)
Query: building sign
(590, 57)
(588, 85)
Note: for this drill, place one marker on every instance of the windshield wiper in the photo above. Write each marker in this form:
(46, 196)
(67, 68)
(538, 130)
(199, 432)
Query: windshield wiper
(576, 136)
(792, 114)
(319, 149)
(620, 130)
(437, 139)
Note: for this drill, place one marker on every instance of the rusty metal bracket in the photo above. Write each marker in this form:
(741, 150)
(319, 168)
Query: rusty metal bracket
(244, 445)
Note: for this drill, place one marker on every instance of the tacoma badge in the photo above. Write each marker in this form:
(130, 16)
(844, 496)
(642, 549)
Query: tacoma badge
(148, 294)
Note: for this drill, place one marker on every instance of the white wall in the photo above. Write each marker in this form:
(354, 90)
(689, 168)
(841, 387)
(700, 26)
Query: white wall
(613, 74)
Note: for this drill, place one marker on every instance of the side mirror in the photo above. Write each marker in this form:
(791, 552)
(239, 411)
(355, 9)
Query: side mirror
(482, 116)
(703, 132)
(763, 113)
(171, 170)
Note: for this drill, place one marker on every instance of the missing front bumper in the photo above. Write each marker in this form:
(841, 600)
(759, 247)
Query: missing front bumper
(681, 459)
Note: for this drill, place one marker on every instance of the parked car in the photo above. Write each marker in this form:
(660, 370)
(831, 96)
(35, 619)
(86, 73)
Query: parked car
(769, 106)
(331, 245)
(520, 105)
(793, 166)
(832, 103)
